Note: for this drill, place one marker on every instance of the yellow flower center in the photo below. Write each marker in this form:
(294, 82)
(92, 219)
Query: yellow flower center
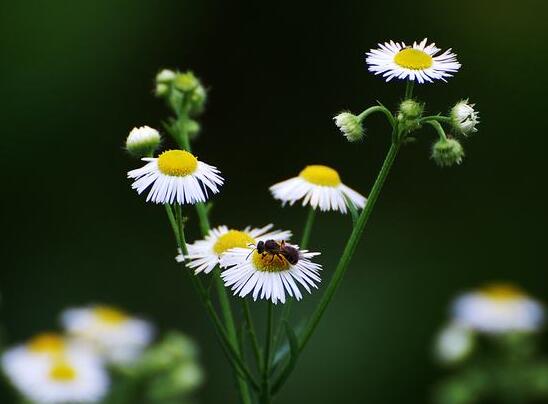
(177, 163)
(110, 315)
(502, 292)
(413, 59)
(49, 343)
(62, 371)
(232, 239)
(321, 175)
(269, 262)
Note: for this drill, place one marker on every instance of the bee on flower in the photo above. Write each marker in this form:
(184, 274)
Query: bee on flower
(420, 62)
(117, 336)
(176, 176)
(498, 308)
(320, 187)
(50, 369)
(204, 255)
(270, 271)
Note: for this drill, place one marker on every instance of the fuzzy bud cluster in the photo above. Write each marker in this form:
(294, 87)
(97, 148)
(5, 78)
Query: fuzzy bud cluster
(409, 114)
(181, 86)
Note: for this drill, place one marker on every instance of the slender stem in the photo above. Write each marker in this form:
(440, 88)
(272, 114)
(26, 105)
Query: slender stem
(377, 108)
(307, 228)
(439, 118)
(232, 354)
(439, 129)
(252, 334)
(286, 311)
(344, 261)
(409, 89)
(201, 210)
(265, 390)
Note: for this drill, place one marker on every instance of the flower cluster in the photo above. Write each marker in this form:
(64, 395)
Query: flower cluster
(260, 262)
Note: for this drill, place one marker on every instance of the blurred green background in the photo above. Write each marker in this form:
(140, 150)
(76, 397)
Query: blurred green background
(77, 76)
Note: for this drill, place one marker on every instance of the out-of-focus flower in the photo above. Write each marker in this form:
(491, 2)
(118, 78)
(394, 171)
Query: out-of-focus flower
(176, 176)
(269, 276)
(419, 62)
(454, 343)
(321, 187)
(117, 336)
(203, 255)
(498, 308)
(50, 369)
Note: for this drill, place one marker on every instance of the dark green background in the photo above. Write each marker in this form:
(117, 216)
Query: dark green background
(76, 76)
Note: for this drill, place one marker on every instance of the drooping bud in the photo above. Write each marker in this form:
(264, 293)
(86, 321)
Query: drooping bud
(447, 152)
(350, 125)
(143, 141)
(464, 117)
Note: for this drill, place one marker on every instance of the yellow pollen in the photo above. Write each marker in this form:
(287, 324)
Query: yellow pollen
(413, 59)
(62, 371)
(177, 163)
(269, 262)
(232, 239)
(502, 291)
(49, 343)
(321, 175)
(110, 315)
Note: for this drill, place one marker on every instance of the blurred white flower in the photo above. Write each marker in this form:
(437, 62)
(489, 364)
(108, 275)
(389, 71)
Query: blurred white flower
(203, 255)
(117, 336)
(454, 343)
(498, 308)
(50, 369)
(320, 186)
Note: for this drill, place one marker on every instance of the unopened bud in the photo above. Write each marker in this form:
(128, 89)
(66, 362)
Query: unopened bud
(143, 141)
(350, 125)
(464, 117)
(447, 152)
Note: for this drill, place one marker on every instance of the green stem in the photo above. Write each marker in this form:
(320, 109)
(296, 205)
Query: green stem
(344, 261)
(231, 352)
(377, 108)
(409, 89)
(203, 219)
(286, 311)
(439, 129)
(252, 335)
(265, 389)
(439, 118)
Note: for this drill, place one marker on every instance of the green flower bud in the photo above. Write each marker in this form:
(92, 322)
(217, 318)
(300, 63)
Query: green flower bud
(143, 141)
(411, 109)
(161, 90)
(464, 117)
(186, 82)
(350, 125)
(197, 100)
(193, 128)
(165, 76)
(447, 152)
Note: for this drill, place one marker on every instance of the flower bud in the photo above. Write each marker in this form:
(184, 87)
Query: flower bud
(454, 344)
(186, 82)
(464, 117)
(193, 128)
(161, 90)
(143, 141)
(411, 109)
(197, 100)
(165, 76)
(350, 125)
(447, 152)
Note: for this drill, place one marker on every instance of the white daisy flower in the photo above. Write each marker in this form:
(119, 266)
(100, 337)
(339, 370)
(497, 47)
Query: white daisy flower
(203, 255)
(117, 336)
(454, 343)
(176, 176)
(49, 370)
(320, 186)
(419, 62)
(498, 308)
(269, 276)
(464, 117)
